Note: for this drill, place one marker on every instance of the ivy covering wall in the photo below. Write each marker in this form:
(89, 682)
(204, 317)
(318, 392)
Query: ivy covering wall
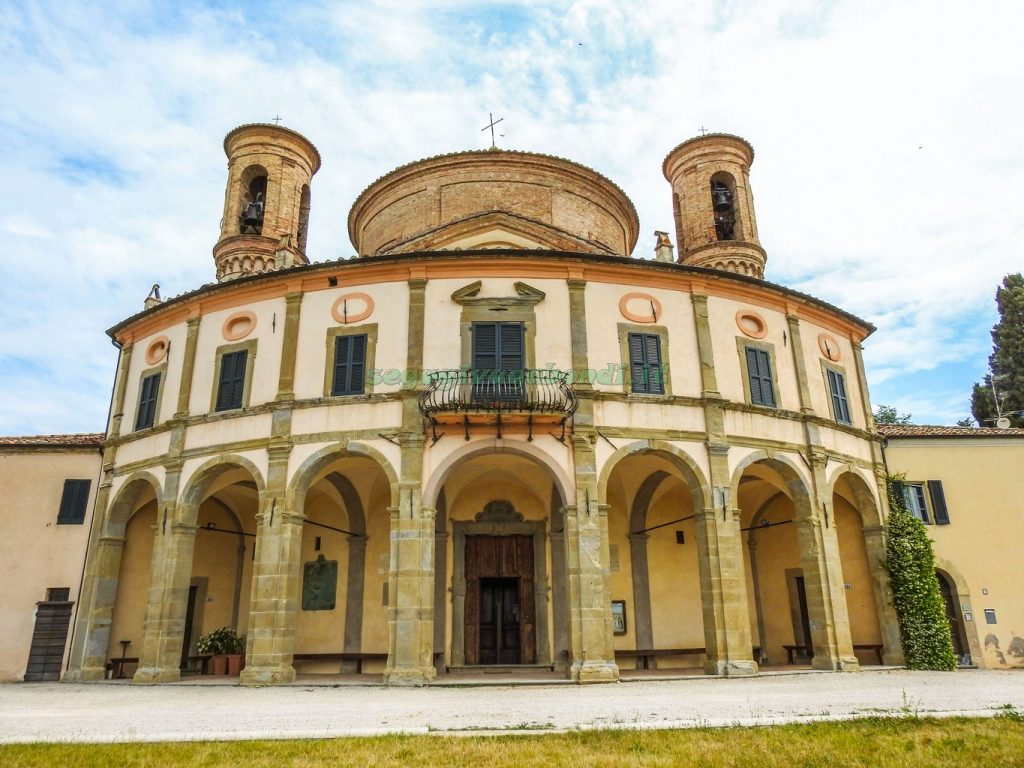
(924, 628)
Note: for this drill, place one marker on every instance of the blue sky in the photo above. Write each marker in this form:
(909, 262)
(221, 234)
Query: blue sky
(887, 179)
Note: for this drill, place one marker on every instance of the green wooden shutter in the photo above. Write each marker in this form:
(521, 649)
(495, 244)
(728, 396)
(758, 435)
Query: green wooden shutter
(759, 373)
(73, 502)
(485, 346)
(510, 346)
(146, 416)
(349, 365)
(938, 498)
(231, 386)
(645, 365)
(637, 363)
(840, 405)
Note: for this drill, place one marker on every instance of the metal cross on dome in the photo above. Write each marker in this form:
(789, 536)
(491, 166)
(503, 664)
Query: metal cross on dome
(491, 126)
(277, 120)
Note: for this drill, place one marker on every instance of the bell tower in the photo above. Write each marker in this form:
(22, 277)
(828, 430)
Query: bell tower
(713, 205)
(266, 204)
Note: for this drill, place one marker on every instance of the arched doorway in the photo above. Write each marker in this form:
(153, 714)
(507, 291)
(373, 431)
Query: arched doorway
(955, 617)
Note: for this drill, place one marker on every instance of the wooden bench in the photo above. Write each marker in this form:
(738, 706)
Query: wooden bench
(791, 650)
(646, 654)
(358, 658)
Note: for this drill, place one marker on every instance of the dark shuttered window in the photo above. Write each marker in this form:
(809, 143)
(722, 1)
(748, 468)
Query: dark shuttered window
(73, 502)
(645, 366)
(146, 416)
(840, 405)
(231, 386)
(938, 502)
(759, 372)
(349, 365)
(498, 363)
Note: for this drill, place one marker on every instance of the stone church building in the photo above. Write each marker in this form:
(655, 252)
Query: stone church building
(492, 439)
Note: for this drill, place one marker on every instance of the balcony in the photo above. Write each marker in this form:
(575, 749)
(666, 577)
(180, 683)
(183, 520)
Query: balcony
(501, 398)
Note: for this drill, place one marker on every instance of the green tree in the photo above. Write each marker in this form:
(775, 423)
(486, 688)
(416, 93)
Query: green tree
(924, 629)
(886, 414)
(1006, 363)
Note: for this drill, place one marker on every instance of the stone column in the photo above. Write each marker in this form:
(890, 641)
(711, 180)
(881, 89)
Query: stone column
(163, 632)
(440, 577)
(277, 577)
(411, 576)
(888, 623)
(591, 649)
(92, 640)
(823, 578)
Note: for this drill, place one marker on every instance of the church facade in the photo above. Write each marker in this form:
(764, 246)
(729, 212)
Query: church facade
(492, 439)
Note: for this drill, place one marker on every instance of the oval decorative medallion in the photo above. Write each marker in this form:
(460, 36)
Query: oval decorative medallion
(238, 326)
(751, 323)
(829, 347)
(640, 307)
(352, 307)
(157, 350)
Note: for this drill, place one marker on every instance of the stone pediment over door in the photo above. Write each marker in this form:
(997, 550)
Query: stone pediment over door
(498, 230)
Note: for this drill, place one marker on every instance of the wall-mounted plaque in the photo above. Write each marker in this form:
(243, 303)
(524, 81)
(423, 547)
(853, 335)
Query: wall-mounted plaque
(319, 584)
(619, 617)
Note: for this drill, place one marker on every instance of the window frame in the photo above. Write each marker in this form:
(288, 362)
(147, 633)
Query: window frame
(826, 368)
(76, 516)
(250, 364)
(161, 371)
(742, 344)
(649, 386)
(369, 362)
(925, 515)
(624, 331)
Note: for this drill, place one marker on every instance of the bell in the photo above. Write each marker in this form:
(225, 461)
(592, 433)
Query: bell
(252, 216)
(721, 198)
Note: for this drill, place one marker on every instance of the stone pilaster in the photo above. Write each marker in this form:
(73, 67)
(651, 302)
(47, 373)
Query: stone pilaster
(188, 365)
(117, 407)
(289, 346)
(705, 351)
(799, 364)
(591, 652)
(578, 331)
(99, 591)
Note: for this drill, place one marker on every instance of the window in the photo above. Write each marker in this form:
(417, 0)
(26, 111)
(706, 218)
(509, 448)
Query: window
(498, 361)
(148, 392)
(349, 365)
(58, 594)
(837, 388)
(645, 364)
(231, 384)
(73, 502)
(759, 375)
(926, 507)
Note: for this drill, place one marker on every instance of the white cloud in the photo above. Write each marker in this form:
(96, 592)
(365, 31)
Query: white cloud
(887, 173)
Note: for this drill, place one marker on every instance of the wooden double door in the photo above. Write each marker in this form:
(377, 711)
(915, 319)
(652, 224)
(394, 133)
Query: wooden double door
(500, 610)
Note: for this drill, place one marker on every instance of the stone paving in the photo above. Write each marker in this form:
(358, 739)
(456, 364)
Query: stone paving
(203, 710)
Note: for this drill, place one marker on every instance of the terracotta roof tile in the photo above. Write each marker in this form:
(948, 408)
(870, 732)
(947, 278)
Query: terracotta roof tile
(84, 440)
(924, 430)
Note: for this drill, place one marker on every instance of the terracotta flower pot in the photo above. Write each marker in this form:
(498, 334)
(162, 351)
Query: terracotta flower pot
(236, 663)
(219, 664)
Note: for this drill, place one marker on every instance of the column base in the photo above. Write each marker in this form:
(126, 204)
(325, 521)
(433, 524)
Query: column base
(836, 664)
(737, 668)
(594, 672)
(410, 676)
(156, 675)
(260, 676)
(85, 675)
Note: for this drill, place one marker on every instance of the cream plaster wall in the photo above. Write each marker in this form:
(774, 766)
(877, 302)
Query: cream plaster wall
(860, 598)
(981, 547)
(169, 384)
(347, 416)
(143, 448)
(442, 345)
(226, 430)
(268, 334)
(35, 552)
(133, 583)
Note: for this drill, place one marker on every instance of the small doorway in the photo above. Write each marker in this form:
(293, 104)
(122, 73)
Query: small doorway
(953, 614)
(190, 623)
(499, 621)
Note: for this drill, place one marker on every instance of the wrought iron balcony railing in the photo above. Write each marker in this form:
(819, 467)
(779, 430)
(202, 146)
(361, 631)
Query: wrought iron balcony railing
(529, 391)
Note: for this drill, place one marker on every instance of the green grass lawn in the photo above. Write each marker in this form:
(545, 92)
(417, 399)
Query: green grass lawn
(872, 742)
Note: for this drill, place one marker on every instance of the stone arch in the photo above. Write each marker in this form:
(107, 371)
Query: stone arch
(962, 595)
(121, 509)
(864, 499)
(200, 481)
(302, 479)
(792, 477)
(562, 482)
(692, 474)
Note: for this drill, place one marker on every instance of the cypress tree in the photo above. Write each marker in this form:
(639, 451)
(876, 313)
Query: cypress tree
(924, 628)
(1006, 364)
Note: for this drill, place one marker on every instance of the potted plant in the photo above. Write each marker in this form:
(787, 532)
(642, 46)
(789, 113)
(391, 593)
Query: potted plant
(220, 644)
(236, 655)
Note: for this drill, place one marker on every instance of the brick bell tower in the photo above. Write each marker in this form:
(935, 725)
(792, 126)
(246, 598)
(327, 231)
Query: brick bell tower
(266, 203)
(713, 205)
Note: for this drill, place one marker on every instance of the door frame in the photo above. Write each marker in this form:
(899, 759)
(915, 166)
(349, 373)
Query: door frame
(498, 518)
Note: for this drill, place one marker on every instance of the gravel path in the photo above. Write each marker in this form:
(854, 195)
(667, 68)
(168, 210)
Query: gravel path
(111, 712)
